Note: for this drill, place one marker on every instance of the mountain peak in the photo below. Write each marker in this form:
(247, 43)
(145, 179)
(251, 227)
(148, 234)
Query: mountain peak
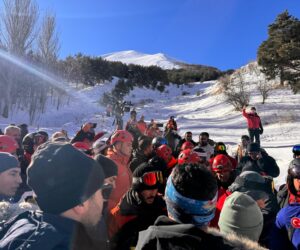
(135, 57)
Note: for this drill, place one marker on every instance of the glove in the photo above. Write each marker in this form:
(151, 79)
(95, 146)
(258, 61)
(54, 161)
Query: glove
(261, 131)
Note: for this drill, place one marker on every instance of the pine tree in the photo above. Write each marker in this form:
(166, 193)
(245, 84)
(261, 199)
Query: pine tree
(279, 55)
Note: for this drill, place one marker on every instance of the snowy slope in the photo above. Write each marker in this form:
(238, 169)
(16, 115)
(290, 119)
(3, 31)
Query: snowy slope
(201, 109)
(134, 57)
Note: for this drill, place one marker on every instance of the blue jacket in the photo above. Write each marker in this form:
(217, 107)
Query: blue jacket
(286, 232)
(36, 231)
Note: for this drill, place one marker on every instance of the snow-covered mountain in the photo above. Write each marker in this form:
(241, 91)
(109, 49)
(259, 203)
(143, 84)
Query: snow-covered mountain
(134, 57)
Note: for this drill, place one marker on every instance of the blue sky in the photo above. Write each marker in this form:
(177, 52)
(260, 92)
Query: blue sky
(220, 33)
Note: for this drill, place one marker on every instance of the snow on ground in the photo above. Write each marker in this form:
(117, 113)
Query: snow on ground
(134, 57)
(200, 109)
(208, 112)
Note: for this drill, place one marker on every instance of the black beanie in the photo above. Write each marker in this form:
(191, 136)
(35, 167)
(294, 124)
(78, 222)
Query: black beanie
(109, 167)
(253, 147)
(62, 177)
(139, 172)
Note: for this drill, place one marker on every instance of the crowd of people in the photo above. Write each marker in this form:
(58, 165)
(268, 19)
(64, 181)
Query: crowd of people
(143, 188)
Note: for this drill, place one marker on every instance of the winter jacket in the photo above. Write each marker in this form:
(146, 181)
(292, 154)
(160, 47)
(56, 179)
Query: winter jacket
(286, 233)
(264, 166)
(124, 178)
(223, 193)
(167, 234)
(130, 216)
(35, 230)
(253, 120)
(208, 149)
(138, 158)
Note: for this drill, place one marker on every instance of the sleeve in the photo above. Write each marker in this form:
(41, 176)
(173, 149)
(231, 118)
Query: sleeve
(244, 113)
(279, 234)
(261, 126)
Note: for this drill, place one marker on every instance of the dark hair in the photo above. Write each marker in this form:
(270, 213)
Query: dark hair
(144, 143)
(245, 137)
(188, 132)
(204, 134)
(194, 181)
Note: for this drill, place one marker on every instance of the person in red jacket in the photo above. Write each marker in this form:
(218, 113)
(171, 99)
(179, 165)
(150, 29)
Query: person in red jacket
(255, 127)
(225, 175)
(121, 142)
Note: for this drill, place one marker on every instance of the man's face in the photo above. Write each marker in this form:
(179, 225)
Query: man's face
(297, 184)
(188, 137)
(148, 196)
(148, 150)
(223, 176)
(94, 210)
(126, 148)
(203, 140)
(254, 155)
(15, 133)
(245, 142)
(10, 181)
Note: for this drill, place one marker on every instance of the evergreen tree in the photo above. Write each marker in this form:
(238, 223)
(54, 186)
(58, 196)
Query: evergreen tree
(279, 55)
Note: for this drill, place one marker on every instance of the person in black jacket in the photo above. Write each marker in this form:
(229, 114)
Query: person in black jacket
(138, 209)
(188, 136)
(143, 153)
(191, 195)
(68, 188)
(259, 161)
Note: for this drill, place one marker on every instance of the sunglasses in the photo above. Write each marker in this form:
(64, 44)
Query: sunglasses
(150, 178)
(106, 191)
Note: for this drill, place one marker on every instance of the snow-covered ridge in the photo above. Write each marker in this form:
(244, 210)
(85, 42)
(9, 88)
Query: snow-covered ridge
(134, 57)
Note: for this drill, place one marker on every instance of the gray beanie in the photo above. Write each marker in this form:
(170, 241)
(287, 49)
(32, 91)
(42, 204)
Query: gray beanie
(7, 161)
(241, 215)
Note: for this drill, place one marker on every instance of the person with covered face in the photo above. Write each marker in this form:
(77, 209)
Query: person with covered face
(138, 208)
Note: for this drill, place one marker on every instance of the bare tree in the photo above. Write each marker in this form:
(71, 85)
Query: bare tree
(264, 88)
(235, 90)
(48, 42)
(19, 20)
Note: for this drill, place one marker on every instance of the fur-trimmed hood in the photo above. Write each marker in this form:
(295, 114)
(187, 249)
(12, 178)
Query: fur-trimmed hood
(9, 210)
(240, 242)
(167, 234)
